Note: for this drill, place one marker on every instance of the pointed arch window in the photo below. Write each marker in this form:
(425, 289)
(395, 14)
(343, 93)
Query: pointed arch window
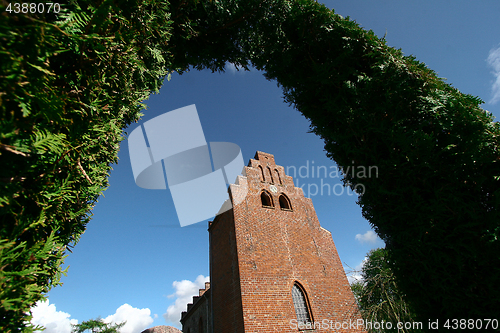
(267, 199)
(301, 304)
(284, 202)
(270, 174)
(278, 176)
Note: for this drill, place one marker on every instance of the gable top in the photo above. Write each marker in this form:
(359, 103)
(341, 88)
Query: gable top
(264, 158)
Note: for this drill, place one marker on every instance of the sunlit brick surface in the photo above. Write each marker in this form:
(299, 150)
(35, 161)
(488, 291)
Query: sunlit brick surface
(258, 253)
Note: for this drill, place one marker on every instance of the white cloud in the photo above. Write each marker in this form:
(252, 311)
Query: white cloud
(368, 237)
(231, 68)
(136, 319)
(46, 315)
(494, 62)
(184, 292)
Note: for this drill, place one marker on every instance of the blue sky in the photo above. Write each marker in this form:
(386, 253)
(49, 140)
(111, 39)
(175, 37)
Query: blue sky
(136, 263)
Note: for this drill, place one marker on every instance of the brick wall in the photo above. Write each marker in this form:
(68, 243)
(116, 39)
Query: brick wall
(197, 318)
(258, 253)
(224, 276)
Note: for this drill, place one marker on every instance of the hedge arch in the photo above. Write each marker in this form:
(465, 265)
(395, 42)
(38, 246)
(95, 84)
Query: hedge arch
(435, 201)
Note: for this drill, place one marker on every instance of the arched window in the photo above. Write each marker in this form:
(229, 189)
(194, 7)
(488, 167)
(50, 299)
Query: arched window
(262, 176)
(270, 174)
(278, 176)
(267, 199)
(285, 202)
(301, 304)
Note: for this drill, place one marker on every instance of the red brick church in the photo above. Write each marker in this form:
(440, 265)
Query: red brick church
(273, 268)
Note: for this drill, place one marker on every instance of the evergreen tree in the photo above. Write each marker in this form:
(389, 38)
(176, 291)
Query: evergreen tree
(71, 80)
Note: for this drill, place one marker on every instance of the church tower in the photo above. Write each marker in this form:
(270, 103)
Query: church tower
(273, 268)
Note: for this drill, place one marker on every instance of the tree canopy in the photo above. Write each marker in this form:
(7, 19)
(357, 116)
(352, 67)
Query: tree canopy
(96, 326)
(71, 81)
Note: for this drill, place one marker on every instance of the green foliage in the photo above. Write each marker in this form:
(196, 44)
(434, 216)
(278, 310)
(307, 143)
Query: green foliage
(379, 298)
(96, 326)
(436, 198)
(70, 83)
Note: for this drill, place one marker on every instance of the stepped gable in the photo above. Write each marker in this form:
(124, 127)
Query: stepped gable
(273, 268)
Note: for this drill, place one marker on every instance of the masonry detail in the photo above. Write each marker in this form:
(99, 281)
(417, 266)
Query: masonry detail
(271, 269)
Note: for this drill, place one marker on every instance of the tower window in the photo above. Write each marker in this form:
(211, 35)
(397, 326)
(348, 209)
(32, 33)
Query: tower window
(270, 174)
(301, 305)
(267, 200)
(278, 176)
(285, 202)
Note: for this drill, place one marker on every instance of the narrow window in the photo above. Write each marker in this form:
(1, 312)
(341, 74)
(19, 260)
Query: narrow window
(267, 200)
(301, 305)
(284, 202)
(263, 177)
(270, 174)
(200, 326)
(278, 176)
